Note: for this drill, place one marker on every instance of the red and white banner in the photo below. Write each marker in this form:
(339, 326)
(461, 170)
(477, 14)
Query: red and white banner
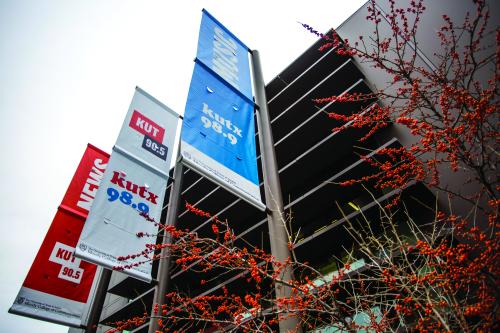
(58, 284)
(135, 182)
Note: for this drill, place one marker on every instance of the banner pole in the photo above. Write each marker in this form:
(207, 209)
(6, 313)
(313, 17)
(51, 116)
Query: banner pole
(98, 300)
(163, 275)
(274, 200)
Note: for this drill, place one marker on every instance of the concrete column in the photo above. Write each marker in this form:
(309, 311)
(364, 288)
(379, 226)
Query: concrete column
(274, 200)
(163, 275)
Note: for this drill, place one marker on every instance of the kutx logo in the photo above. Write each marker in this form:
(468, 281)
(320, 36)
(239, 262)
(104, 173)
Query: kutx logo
(142, 191)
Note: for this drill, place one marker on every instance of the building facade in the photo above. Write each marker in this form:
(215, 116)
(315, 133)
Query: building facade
(312, 160)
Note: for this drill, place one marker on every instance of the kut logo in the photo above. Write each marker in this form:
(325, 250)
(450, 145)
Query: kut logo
(146, 126)
(70, 265)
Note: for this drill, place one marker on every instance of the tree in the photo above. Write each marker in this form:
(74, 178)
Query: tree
(421, 280)
(450, 109)
(441, 275)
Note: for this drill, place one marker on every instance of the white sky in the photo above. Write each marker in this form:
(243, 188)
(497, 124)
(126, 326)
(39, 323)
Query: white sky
(68, 69)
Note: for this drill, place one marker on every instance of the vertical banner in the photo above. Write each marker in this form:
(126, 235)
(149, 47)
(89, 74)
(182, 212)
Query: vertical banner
(225, 54)
(57, 286)
(218, 132)
(134, 182)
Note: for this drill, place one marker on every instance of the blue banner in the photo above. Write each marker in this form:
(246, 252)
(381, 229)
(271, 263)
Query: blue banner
(225, 54)
(219, 123)
(218, 131)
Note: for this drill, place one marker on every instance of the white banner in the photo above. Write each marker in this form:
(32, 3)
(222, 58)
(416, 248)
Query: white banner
(40, 305)
(134, 182)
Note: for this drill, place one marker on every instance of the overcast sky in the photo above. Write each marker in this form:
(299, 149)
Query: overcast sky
(68, 69)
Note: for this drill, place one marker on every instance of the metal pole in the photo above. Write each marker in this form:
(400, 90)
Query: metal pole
(274, 200)
(163, 275)
(98, 301)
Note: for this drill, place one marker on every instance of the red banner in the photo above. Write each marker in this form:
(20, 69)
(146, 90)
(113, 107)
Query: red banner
(85, 182)
(58, 284)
